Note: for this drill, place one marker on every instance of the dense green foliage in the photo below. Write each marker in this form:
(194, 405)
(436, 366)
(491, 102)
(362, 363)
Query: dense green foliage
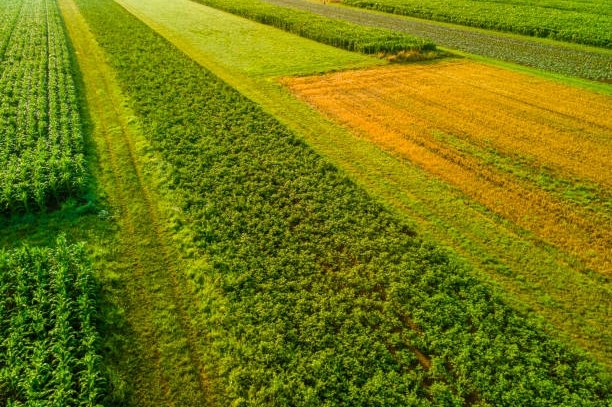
(314, 294)
(48, 339)
(337, 33)
(41, 144)
(546, 56)
(587, 22)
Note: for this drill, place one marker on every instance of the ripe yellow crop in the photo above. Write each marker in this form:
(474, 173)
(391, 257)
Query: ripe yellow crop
(490, 133)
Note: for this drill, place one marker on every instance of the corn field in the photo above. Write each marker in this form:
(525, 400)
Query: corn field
(41, 142)
(47, 336)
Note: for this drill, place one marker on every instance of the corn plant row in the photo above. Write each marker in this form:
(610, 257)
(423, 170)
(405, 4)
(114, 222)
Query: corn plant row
(580, 22)
(313, 293)
(337, 33)
(48, 339)
(9, 11)
(41, 145)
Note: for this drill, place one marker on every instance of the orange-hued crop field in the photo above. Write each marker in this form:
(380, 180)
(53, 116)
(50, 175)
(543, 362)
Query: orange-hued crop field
(535, 152)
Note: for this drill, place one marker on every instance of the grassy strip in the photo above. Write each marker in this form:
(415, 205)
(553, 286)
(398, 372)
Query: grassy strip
(49, 350)
(256, 49)
(314, 294)
(584, 26)
(41, 144)
(151, 351)
(337, 33)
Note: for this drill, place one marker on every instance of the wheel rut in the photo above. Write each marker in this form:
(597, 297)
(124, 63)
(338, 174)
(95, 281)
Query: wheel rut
(170, 369)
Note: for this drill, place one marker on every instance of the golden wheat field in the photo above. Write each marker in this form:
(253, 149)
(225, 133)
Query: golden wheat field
(481, 129)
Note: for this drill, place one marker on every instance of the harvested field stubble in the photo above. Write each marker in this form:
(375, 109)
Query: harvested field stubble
(425, 112)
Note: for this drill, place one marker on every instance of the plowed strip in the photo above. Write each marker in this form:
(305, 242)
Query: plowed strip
(566, 130)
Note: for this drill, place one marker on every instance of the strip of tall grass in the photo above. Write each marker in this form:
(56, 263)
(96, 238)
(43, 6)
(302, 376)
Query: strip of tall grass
(334, 32)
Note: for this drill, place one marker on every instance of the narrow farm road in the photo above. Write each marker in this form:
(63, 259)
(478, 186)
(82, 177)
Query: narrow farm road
(548, 56)
(160, 357)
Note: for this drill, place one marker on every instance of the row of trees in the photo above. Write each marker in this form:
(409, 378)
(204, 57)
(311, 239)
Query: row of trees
(41, 141)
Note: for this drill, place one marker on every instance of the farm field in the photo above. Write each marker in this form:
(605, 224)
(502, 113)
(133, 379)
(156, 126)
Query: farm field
(538, 274)
(41, 153)
(518, 150)
(48, 310)
(334, 32)
(264, 208)
(266, 220)
(545, 55)
(585, 22)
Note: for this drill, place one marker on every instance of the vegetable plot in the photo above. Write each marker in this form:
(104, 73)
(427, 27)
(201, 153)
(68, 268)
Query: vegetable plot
(48, 340)
(312, 293)
(41, 144)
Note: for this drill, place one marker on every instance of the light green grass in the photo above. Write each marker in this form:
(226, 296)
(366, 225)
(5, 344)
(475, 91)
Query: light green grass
(248, 47)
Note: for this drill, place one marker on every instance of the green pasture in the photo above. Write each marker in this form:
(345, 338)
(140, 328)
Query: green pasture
(245, 46)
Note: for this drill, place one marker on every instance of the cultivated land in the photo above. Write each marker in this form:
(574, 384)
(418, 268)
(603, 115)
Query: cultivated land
(584, 22)
(41, 153)
(549, 56)
(536, 273)
(514, 144)
(238, 266)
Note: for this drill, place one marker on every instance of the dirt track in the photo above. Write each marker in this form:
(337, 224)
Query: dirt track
(552, 58)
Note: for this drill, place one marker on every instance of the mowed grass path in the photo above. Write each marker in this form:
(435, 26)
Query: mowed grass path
(245, 46)
(154, 354)
(536, 275)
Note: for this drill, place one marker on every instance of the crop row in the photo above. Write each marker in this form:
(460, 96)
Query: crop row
(9, 11)
(48, 339)
(586, 25)
(337, 33)
(550, 57)
(314, 294)
(41, 144)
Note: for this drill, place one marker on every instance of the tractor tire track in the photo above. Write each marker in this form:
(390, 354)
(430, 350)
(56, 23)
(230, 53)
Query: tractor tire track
(157, 308)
